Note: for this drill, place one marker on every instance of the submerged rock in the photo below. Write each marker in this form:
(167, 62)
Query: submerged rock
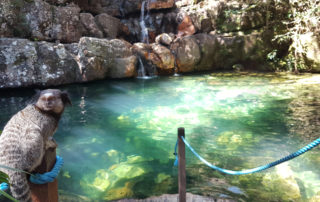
(282, 183)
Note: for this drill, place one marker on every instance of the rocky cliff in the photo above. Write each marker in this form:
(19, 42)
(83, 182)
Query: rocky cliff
(54, 42)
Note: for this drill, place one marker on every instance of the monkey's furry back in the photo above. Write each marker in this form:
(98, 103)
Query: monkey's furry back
(22, 146)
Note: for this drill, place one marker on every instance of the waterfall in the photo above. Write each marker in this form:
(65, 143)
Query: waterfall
(148, 71)
(141, 69)
(143, 17)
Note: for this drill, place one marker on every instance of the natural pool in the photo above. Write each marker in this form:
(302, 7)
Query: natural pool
(118, 138)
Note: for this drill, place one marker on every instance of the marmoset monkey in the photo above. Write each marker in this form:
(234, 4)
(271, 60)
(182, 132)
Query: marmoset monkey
(26, 137)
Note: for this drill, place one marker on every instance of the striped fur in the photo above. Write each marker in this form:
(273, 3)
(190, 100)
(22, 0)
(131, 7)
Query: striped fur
(23, 143)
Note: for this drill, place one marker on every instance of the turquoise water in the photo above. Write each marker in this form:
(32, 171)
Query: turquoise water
(118, 138)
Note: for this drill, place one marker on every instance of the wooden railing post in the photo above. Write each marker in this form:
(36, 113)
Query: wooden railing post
(182, 166)
(45, 192)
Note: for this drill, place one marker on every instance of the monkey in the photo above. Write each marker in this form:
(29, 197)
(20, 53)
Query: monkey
(26, 137)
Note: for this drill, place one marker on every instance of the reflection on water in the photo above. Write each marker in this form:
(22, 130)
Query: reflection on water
(118, 137)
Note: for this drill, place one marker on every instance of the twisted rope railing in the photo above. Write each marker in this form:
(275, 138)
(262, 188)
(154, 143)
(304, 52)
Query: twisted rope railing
(253, 170)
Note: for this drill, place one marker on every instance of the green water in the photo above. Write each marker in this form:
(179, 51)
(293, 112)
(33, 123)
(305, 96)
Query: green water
(118, 138)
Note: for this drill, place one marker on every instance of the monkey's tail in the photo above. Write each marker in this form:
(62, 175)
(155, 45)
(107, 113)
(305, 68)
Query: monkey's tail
(19, 186)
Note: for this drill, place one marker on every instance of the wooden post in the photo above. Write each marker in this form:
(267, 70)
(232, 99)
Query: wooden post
(182, 166)
(45, 192)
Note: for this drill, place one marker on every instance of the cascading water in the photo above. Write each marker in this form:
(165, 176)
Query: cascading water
(143, 72)
(143, 17)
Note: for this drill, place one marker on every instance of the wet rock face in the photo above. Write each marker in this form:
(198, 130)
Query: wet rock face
(155, 56)
(156, 23)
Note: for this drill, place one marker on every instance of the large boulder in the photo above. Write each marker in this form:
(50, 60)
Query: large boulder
(148, 60)
(185, 25)
(238, 16)
(101, 58)
(155, 56)
(48, 22)
(312, 50)
(166, 65)
(8, 18)
(109, 25)
(39, 20)
(90, 26)
(204, 15)
(165, 39)
(209, 47)
(187, 53)
(24, 63)
(249, 50)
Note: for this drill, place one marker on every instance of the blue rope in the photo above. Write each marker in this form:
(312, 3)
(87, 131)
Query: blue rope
(176, 154)
(41, 178)
(257, 169)
(4, 186)
(48, 176)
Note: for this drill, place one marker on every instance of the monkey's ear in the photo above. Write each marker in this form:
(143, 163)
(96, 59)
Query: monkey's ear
(65, 98)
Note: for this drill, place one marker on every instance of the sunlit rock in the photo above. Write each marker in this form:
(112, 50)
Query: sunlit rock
(311, 48)
(164, 39)
(282, 183)
(229, 137)
(101, 181)
(185, 27)
(204, 15)
(161, 4)
(101, 58)
(122, 192)
(161, 177)
(166, 57)
(127, 171)
(135, 159)
(315, 198)
(66, 174)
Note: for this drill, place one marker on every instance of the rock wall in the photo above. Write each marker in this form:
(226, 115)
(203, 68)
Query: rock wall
(101, 39)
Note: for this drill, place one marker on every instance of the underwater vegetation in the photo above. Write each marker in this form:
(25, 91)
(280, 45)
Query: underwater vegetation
(118, 138)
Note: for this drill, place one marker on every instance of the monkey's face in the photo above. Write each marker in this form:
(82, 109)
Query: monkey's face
(53, 100)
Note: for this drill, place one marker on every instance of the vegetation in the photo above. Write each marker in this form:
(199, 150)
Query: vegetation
(4, 178)
(302, 21)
